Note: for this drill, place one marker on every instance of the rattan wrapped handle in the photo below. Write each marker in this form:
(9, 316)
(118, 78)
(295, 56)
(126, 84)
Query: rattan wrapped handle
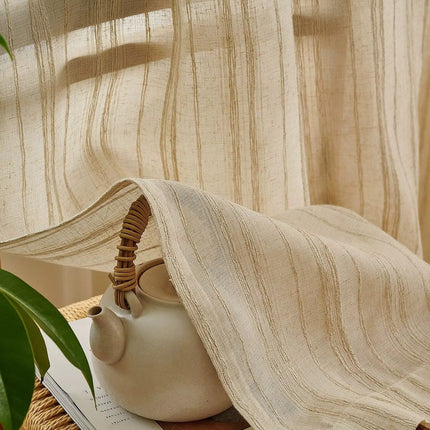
(124, 273)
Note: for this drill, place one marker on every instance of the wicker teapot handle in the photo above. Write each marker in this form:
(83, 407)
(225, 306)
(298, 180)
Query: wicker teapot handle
(124, 273)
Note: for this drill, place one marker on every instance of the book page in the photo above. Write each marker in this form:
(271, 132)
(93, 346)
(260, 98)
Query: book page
(75, 395)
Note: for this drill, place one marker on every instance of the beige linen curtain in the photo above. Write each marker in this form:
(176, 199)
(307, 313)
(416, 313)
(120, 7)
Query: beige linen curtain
(274, 105)
(271, 104)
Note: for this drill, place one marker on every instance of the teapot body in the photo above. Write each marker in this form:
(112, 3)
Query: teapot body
(164, 372)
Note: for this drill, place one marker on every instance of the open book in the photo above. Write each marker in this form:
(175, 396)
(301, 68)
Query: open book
(69, 387)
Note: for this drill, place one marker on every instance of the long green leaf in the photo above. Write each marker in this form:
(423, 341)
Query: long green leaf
(5, 46)
(5, 412)
(16, 367)
(49, 319)
(36, 339)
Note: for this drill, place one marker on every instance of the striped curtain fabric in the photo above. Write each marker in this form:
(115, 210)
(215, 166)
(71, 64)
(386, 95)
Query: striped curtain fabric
(270, 104)
(315, 316)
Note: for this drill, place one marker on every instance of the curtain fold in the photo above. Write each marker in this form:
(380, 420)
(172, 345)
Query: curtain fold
(269, 104)
(276, 106)
(313, 319)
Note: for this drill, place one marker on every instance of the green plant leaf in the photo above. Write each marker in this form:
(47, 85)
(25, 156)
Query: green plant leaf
(36, 339)
(50, 320)
(5, 46)
(5, 412)
(16, 367)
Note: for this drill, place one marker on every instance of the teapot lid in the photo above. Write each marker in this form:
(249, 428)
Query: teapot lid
(154, 281)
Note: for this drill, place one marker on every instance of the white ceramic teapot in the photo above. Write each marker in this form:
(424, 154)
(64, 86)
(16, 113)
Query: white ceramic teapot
(150, 357)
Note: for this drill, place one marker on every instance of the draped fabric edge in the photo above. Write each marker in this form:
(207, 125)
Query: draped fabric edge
(160, 194)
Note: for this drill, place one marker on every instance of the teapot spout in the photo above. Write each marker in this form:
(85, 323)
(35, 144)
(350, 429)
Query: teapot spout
(107, 337)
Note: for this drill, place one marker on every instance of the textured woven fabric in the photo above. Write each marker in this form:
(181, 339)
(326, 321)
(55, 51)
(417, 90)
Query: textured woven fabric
(313, 319)
(271, 104)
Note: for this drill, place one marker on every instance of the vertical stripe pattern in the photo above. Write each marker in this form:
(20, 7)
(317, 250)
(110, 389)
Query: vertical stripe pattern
(314, 319)
(269, 105)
